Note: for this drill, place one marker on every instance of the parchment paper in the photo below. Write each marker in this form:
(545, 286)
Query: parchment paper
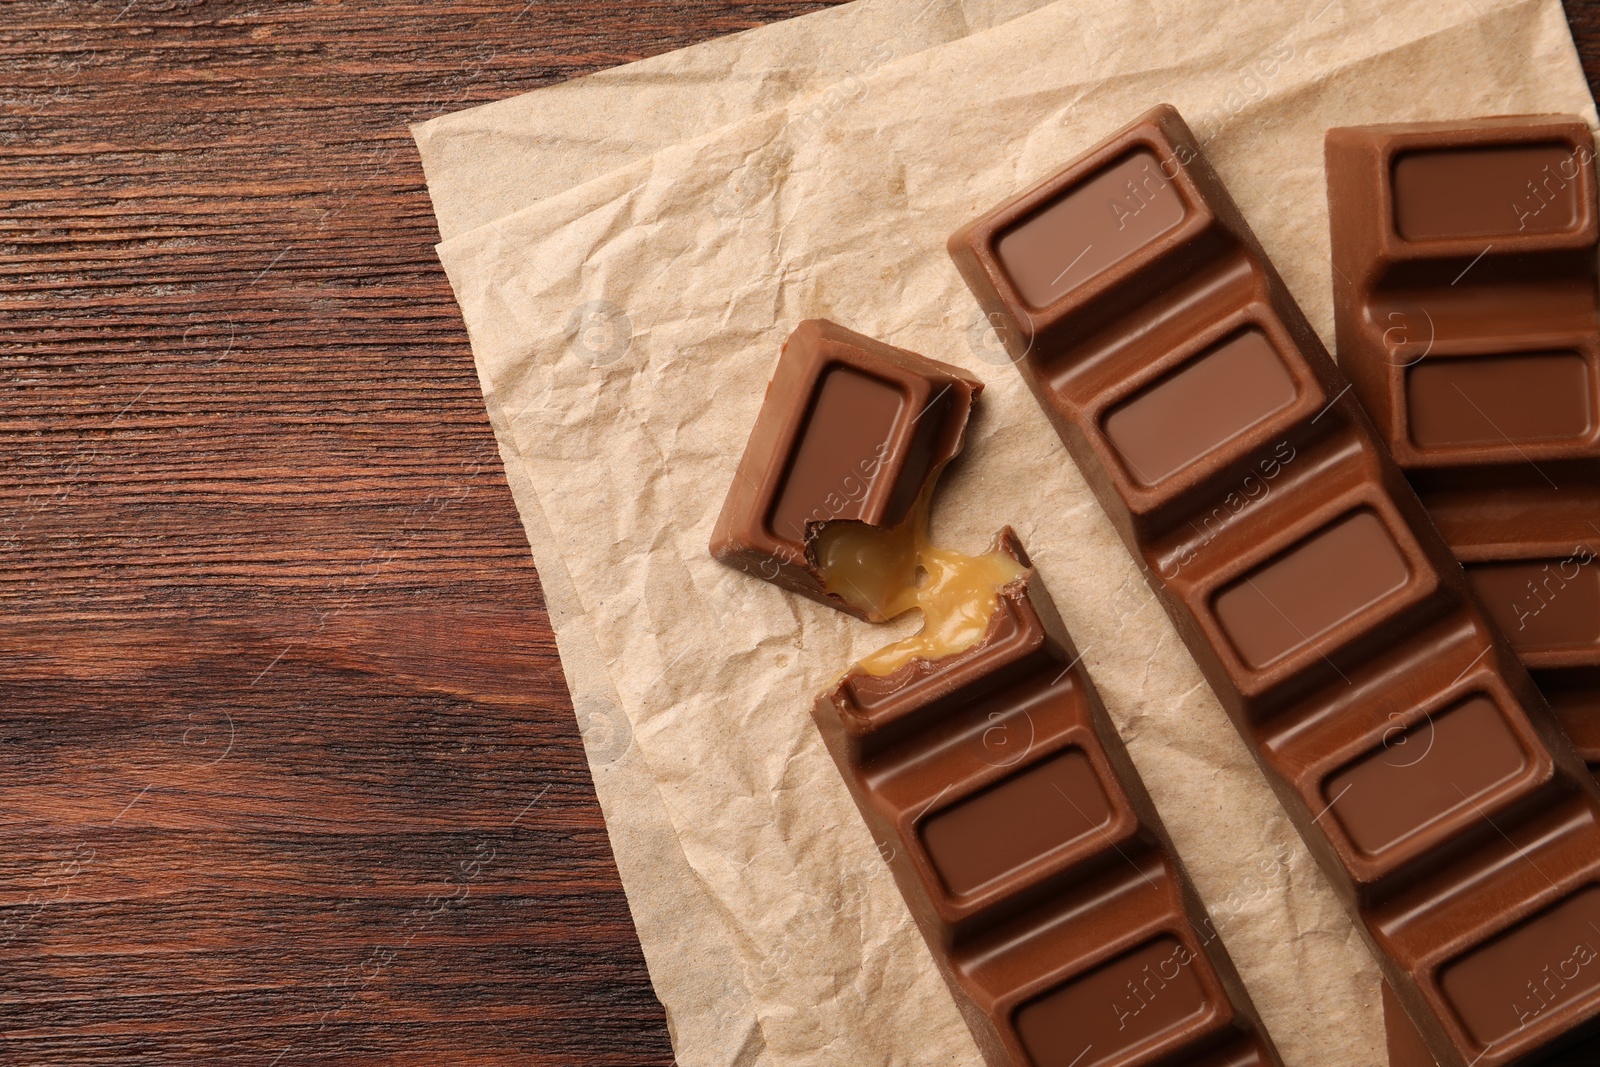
(629, 449)
(488, 161)
(491, 160)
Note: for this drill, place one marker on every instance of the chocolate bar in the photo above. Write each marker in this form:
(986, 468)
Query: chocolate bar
(1407, 1049)
(1031, 856)
(1465, 298)
(851, 429)
(1406, 741)
(1029, 853)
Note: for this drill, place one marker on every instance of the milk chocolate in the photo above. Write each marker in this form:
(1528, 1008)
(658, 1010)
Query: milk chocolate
(1393, 718)
(851, 428)
(1407, 1049)
(1465, 298)
(1031, 857)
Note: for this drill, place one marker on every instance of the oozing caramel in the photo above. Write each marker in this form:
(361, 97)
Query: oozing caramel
(897, 570)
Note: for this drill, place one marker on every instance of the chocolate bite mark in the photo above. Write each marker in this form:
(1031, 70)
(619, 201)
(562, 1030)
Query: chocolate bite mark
(1544, 604)
(1495, 399)
(850, 429)
(1103, 222)
(1329, 577)
(1485, 192)
(1550, 962)
(1200, 407)
(1430, 771)
(888, 572)
(1017, 821)
(1113, 1013)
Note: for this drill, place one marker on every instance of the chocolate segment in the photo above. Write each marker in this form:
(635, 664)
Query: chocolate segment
(1406, 1047)
(1200, 407)
(1110, 1014)
(1110, 218)
(1428, 772)
(1019, 821)
(1543, 965)
(841, 446)
(1409, 745)
(1491, 399)
(851, 428)
(1486, 189)
(1031, 857)
(1287, 604)
(1465, 303)
(1538, 608)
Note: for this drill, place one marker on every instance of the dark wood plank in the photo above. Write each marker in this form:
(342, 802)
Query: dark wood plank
(288, 772)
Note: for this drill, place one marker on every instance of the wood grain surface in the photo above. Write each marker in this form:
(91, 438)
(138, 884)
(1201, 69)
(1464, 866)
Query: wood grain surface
(288, 772)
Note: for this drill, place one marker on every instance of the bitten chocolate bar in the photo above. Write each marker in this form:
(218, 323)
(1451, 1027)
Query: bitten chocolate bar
(1465, 301)
(1400, 731)
(851, 428)
(1031, 857)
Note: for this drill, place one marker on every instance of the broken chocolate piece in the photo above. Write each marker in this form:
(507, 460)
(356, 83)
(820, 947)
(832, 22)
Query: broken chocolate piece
(1031, 856)
(851, 429)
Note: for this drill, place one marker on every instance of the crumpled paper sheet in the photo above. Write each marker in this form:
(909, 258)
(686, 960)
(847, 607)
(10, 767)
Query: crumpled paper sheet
(705, 255)
(488, 161)
(491, 160)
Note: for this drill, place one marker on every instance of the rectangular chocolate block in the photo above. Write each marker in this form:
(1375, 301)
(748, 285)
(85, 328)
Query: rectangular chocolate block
(851, 428)
(1052, 806)
(1434, 770)
(1031, 856)
(1410, 747)
(1546, 964)
(1406, 1047)
(1285, 604)
(1528, 397)
(1196, 409)
(1465, 301)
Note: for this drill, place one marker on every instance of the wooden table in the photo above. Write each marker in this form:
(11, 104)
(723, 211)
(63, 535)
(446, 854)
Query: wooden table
(288, 772)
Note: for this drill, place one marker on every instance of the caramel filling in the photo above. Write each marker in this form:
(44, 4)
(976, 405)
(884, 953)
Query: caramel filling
(896, 570)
